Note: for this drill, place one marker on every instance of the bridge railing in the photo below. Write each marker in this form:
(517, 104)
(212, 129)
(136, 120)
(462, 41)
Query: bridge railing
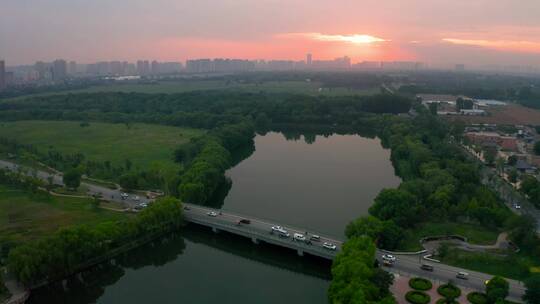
(260, 235)
(269, 222)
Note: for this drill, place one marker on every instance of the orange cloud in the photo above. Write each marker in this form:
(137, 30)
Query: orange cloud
(521, 46)
(354, 38)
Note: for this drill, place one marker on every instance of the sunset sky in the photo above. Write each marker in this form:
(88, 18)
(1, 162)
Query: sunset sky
(437, 32)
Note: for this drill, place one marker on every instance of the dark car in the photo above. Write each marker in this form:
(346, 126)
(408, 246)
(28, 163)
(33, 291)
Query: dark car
(243, 221)
(426, 267)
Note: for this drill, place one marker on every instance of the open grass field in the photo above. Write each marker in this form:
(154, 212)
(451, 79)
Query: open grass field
(25, 216)
(142, 144)
(170, 87)
(474, 233)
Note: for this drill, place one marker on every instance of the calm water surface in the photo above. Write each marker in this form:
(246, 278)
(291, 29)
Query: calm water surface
(320, 185)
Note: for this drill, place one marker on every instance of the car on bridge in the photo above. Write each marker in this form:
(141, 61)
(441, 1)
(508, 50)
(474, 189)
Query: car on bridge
(299, 237)
(243, 221)
(315, 238)
(212, 214)
(280, 231)
(329, 246)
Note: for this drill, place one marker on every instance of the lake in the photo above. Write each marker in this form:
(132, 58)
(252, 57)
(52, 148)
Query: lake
(320, 183)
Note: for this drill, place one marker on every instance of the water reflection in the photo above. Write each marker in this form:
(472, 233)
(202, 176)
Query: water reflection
(163, 255)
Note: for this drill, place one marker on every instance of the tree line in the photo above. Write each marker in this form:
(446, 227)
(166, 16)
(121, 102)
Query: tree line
(68, 249)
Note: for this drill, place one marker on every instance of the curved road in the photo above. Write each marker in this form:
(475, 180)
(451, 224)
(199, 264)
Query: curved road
(408, 264)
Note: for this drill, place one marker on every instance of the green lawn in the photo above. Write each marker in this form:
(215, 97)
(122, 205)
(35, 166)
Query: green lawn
(474, 233)
(169, 87)
(516, 266)
(142, 144)
(25, 216)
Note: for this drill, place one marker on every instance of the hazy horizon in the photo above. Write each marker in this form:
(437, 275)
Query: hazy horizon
(437, 32)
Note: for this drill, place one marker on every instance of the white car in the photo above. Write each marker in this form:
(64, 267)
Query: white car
(280, 231)
(329, 246)
(517, 206)
(389, 257)
(212, 214)
(277, 228)
(136, 198)
(124, 195)
(299, 237)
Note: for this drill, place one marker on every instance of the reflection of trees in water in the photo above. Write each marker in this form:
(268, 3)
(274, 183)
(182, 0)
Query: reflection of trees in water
(242, 152)
(263, 253)
(90, 285)
(86, 287)
(156, 253)
(310, 133)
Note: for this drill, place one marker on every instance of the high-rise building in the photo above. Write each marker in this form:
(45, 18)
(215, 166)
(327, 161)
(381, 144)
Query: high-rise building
(143, 67)
(41, 69)
(72, 68)
(155, 67)
(59, 70)
(2, 75)
(309, 59)
(460, 67)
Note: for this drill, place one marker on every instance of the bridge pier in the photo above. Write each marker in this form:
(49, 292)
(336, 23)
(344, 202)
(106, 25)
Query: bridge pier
(300, 252)
(215, 230)
(255, 240)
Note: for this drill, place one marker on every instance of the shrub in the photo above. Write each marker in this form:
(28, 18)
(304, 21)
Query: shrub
(420, 284)
(445, 301)
(449, 291)
(417, 297)
(477, 298)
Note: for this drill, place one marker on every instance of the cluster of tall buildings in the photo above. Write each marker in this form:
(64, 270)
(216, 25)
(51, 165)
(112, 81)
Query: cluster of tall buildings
(59, 70)
(241, 65)
(124, 68)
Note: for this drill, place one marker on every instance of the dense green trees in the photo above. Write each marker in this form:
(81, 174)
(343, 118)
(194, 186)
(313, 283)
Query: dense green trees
(532, 293)
(72, 178)
(497, 289)
(69, 249)
(354, 277)
(207, 159)
(397, 205)
(531, 187)
(537, 148)
(439, 184)
(387, 234)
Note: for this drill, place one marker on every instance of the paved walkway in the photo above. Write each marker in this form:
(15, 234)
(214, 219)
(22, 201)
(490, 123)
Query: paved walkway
(19, 294)
(501, 243)
(401, 287)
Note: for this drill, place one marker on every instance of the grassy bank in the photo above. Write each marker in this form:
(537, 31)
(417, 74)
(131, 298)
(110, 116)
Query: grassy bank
(514, 266)
(25, 216)
(474, 233)
(142, 144)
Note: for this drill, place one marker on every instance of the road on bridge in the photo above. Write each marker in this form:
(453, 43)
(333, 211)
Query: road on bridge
(408, 264)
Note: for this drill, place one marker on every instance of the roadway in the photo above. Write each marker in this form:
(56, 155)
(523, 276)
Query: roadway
(405, 264)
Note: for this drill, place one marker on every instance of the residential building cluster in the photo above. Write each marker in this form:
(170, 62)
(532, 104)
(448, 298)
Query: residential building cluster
(504, 145)
(457, 105)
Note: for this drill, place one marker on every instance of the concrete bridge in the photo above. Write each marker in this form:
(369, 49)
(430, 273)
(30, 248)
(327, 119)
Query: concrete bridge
(259, 230)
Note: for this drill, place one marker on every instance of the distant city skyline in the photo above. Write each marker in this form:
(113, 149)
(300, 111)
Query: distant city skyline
(438, 33)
